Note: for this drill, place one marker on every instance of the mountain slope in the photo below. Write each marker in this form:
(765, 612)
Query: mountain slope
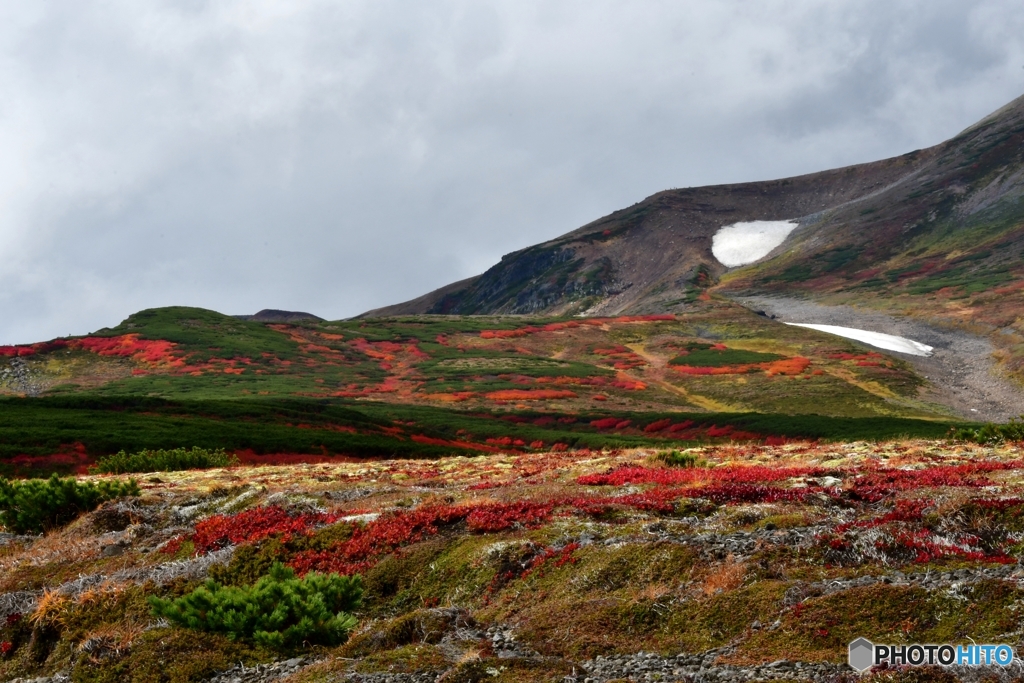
(651, 253)
(937, 232)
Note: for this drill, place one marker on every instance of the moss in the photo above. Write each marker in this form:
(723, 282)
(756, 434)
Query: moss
(396, 573)
(170, 656)
(538, 670)
(249, 563)
(820, 628)
(716, 620)
(913, 674)
(611, 599)
(443, 571)
(405, 659)
(422, 626)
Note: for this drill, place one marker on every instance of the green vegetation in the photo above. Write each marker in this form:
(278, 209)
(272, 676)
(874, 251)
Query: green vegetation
(991, 433)
(680, 459)
(161, 460)
(36, 505)
(205, 334)
(35, 434)
(280, 611)
(713, 356)
(970, 281)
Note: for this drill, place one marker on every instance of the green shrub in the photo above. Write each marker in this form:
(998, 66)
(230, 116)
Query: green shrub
(164, 461)
(707, 356)
(677, 459)
(37, 505)
(991, 433)
(279, 610)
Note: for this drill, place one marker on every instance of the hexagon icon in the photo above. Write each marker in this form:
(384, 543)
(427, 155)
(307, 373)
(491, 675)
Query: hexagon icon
(862, 652)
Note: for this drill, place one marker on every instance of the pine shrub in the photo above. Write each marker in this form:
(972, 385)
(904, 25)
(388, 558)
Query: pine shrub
(173, 460)
(37, 505)
(279, 611)
(677, 459)
(991, 433)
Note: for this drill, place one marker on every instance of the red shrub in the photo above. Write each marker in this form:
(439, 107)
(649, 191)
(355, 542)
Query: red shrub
(154, 352)
(658, 426)
(561, 557)
(376, 539)
(32, 349)
(529, 394)
(249, 526)
(669, 476)
(501, 516)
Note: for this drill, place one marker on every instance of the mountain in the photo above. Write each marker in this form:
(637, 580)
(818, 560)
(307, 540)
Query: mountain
(937, 232)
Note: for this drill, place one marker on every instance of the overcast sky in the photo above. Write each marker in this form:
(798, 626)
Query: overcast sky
(342, 155)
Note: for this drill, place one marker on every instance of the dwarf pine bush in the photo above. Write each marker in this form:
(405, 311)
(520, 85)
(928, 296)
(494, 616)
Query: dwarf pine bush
(677, 459)
(991, 433)
(279, 610)
(37, 505)
(173, 460)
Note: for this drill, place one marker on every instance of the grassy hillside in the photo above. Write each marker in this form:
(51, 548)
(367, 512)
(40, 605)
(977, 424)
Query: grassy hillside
(634, 363)
(432, 385)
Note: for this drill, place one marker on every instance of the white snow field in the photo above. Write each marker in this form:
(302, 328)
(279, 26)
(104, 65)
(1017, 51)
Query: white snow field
(889, 342)
(742, 243)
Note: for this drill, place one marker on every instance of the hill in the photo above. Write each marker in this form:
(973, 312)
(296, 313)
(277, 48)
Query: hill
(425, 386)
(937, 233)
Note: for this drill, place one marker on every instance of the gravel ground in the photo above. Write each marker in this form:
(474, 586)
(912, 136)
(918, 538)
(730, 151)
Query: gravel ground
(961, 370)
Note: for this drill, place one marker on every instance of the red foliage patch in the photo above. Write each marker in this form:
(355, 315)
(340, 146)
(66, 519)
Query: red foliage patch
(501, 516)
(530, 394)
(872, 486)
(691, 475)
(787, 366)
(152, 351)
(32, 349)
(658, 426)
(376, 539)
(253, 525)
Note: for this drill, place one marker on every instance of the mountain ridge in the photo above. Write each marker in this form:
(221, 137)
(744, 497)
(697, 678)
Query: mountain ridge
(935, 233)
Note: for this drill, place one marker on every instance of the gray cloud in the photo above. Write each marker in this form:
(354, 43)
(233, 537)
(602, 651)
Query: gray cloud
(334, 157)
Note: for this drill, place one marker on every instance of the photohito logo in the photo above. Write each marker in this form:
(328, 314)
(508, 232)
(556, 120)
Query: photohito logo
(863, 654)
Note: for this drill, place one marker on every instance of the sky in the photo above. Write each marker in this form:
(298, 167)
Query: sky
(334, 157)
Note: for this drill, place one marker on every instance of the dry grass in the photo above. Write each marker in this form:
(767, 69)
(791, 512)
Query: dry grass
(725, 577)
(51, 608)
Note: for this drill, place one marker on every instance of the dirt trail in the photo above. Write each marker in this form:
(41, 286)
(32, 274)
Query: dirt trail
(961, 369)
(657, 375)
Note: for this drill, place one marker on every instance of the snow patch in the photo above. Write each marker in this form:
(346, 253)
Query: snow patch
(889, 342)
(742, 243)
